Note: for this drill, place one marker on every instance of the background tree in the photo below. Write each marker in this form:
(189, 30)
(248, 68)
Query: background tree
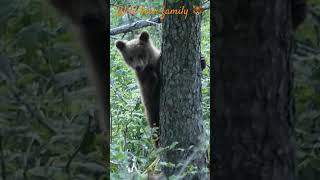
(180, 96)
(253, 121)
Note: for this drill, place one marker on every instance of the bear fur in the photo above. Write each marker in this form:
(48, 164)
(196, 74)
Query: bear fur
(143, 57)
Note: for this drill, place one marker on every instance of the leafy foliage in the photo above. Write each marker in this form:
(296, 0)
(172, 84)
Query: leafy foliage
(46, 102)
(306, 91)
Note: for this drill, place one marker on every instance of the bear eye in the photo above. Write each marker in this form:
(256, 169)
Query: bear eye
(131, 59)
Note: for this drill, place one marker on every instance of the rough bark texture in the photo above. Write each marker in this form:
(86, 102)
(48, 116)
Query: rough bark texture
(253, 128)
(180, 94)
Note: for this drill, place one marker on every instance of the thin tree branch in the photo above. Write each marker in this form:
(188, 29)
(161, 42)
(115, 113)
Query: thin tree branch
(136, 25)
(80, 145)
(3, 165)
(25, 161)
(196, 150)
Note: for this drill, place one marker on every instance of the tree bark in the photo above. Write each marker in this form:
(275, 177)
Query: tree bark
(253, 122)
(180, 95)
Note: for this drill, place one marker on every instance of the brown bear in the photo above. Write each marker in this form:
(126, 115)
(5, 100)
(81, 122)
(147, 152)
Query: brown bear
(90, 19)
(143, 57)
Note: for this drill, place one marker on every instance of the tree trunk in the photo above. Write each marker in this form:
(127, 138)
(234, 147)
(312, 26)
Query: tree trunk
(180, 95)
(253, 122)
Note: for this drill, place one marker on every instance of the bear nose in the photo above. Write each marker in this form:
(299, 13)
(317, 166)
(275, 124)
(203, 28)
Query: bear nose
(138, 68)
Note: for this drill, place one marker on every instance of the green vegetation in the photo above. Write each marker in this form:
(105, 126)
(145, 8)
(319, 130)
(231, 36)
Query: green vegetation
(47, 101)
(306, 60)
(131, 137)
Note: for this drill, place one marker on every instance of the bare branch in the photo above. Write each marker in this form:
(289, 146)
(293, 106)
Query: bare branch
(136, 25)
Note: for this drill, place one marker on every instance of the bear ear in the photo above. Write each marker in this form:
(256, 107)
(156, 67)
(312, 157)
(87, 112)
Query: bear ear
(144, 36)
(120, 45)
